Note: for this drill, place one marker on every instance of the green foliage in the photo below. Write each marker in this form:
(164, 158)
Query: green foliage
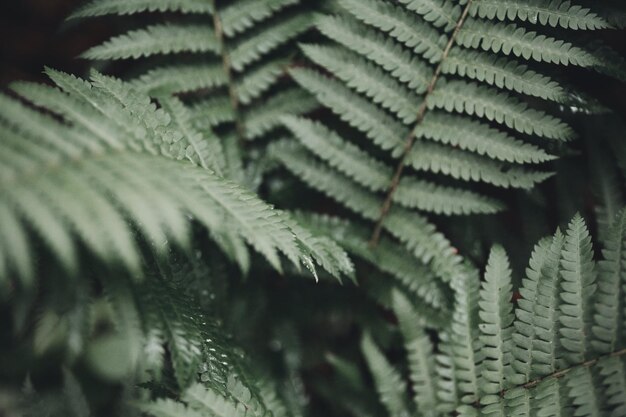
(235, 53)
(558, 349)
(392, 131)
(451, 92)
(68, 172)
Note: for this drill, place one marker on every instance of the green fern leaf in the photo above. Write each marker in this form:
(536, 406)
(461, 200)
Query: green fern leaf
(515, 40)
(389, 384)
(503, 73)
(244, 14)
(609, 306)
(180, 79)
(378, 49)
(496, 314)
(536, 341)
(122, 7)
(476, 100)
(403, 27)
(578, 287)
(156, 40)
(375, 176)
(420, 350)
(263, 40)
(555, 13)
(439, 13)
(479, 138)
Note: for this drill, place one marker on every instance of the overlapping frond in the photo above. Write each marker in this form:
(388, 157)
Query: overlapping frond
(201, 401)
(420, 237)
(229, 54)
(562, 353)
(115, 158)
(390, 258)
(123, 7)
(457, 92)
(552, 13)
(389, 384)
(419, 355)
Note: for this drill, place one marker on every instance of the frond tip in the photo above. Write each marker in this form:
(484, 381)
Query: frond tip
(554, 355)
(114, 158)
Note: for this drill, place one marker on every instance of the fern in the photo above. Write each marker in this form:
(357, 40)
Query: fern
(562, 353)
(444, 89)
(231, 53)
(143, 273)
(83, 161)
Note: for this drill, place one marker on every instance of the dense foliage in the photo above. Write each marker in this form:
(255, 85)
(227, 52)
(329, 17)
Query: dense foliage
(211, 228)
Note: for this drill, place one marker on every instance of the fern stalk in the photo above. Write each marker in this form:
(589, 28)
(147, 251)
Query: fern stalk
(409, 141)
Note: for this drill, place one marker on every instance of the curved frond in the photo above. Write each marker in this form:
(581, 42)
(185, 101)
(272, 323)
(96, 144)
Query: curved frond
(104, 167)
(554, 13)
(127, 7)
(512, 39)
(578, 286)
(419, 351)
(390, 386)
(496, 328)
(156, 40)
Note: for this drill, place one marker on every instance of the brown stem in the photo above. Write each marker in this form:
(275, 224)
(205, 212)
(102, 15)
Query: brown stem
(410, 139)
(563, 372)
(228, 70)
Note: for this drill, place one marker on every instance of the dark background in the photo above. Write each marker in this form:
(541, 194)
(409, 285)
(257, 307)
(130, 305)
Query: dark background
(33, 33)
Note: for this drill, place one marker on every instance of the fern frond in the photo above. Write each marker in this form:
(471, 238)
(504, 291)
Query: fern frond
(259, 80)
(536, 338)
(126, 7)
(512, 39)
(165, 407)
(388, 65)
(376, 47)
(161, 39)
(503, 73)
(388, 256)
(180, 79)
(366, 79)
(421, 237)
(390, 386)
(207, 152)
(263, 40)
(464, 342)
(381, 128)
(289, 102)
(467, 134)
(212, 112)
(582, 392)
(554, 13)
(578, 286)
(609, 306)
(496, 328)
(474, 99)
(115, 166)
(543, 361)
(441, 14)
(402, 26)
(201, 401)
(461, 165)
(374, 175)
(208, 401)
(613, 377)
(244, 14)
(325, 251)
(419, 351)
(180, 326)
